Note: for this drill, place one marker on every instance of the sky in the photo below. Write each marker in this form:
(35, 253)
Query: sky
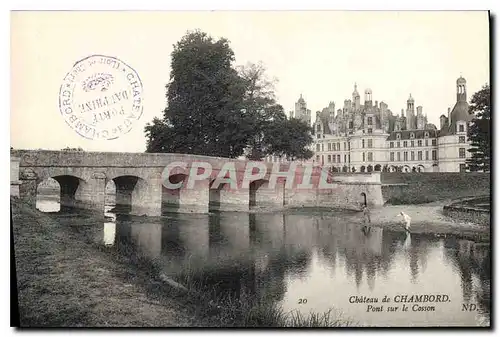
(319, 54)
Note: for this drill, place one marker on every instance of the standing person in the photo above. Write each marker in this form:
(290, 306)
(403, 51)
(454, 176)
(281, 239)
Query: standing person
(366, 214)
(366, 218)
(406, 221)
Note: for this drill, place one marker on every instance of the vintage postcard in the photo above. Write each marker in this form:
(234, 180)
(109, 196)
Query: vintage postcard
(250, 169)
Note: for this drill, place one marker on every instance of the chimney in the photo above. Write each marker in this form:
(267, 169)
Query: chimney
(443, 122)
(449, 113)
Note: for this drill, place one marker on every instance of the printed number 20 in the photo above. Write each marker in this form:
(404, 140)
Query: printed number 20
(302, 300)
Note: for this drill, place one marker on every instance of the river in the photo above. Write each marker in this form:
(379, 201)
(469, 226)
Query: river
(315, 261)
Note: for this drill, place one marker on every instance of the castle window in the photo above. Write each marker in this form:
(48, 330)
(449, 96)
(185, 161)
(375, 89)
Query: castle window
(461, 128)
(334, 158)
(461, 152)
(419, 142)
(391, 145)
(350, 125)
(318, 135)
(362, 143)
(349, 146)
(412, 155)
(426, 142)
(434, 142)
(392, 156)
(427, 135)
(317, 158)
(363, 156)
(345, 158)
(370, 130)
(405, 144)
(338, 158)
(398, 144)
(412, 143)
(461, 139)
(345, 146)
(399, 156)
(349, 158)
(419, 155)
(318, 127)
(426, 155)
(370, 143)
(405, 156)
(370, 156)
(329, 158)
(318, 147)
(329, 146)
(434, 155)
(398, 136)
(370, 121)
(412, 135)
(322, 147)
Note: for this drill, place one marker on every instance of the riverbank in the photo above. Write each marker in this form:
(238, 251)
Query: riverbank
(476, 210)
(62, 282)
(67, 278)
(425, 218)
(429, 218)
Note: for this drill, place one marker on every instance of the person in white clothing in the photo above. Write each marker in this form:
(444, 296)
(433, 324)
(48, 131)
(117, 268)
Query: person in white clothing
(406, 221)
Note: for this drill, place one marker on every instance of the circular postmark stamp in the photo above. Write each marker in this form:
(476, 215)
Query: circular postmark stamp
(101, 97)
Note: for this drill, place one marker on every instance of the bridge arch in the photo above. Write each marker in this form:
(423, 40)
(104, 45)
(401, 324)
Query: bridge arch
(256, 190)
(48, 195)
(71, 188)
(171, 197)
(221, 193)
(128, 190)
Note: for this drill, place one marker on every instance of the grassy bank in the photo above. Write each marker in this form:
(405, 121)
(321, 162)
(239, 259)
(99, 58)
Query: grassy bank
(421, 188)
(66, 278)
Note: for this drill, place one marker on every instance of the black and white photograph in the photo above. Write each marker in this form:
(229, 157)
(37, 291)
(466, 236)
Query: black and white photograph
(250, 169)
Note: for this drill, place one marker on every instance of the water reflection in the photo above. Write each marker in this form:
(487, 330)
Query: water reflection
(109, 226)
(326, 259)
(47, 204)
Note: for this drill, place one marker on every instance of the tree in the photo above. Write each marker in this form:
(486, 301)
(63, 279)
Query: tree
(288, 137)
(479, 131)
(204, 113)
(216, 109)
(259, 103)
(273, 133)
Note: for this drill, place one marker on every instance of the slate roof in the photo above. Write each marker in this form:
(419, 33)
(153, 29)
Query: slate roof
(419, 134)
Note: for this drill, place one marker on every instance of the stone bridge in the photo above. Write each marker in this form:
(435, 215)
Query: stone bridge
(141, 186)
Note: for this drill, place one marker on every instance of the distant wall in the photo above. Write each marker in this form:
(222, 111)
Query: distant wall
(14, 176)
(418, 188)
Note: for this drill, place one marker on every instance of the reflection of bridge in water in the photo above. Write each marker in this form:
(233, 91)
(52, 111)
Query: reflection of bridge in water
(257, 253)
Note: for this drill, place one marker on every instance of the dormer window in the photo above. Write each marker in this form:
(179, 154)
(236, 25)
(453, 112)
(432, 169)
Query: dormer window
(412, 135)
(318, 127)
(398, 136)
(461, 128)
(427, 135)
